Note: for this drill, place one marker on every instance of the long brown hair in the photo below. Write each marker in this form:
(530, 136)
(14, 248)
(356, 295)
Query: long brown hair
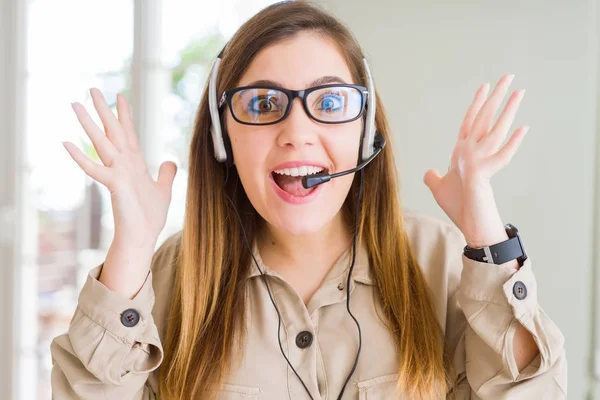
(205, 324)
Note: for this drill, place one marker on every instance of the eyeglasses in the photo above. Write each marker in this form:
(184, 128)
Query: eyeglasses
(267, 105)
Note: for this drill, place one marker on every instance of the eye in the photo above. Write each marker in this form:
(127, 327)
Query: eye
(264, 104)
(330, 102)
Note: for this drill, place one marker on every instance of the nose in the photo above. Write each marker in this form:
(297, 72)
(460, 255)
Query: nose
(298, 129)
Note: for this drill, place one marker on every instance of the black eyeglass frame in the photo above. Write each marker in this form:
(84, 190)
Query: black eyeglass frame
(292, 94)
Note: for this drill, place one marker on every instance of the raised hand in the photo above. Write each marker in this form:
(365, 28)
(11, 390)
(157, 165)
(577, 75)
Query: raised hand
(139, 203)
(464, 192)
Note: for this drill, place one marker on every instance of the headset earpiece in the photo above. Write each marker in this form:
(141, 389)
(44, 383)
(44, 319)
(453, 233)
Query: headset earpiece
(221, 153)
(368, 139)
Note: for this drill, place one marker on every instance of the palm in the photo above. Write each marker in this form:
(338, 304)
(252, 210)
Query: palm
(449, 195)
(137, 200)
(464, 193)
(140, 203)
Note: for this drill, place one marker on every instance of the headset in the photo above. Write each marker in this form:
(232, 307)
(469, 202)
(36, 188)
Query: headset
(371, 143)
(370, 146)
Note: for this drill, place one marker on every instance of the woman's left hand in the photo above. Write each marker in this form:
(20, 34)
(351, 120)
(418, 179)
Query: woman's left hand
(464, 192)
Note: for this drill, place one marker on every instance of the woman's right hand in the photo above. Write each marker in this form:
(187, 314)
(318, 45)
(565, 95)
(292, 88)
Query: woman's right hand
(139, 203)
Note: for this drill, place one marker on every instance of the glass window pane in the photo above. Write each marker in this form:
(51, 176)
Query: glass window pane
(193, 33)
(72, 45)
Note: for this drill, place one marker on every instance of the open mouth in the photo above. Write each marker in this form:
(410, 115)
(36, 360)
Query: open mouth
(293, 184)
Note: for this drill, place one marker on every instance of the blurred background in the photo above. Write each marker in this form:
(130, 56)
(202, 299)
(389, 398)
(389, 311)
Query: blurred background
(427, 57)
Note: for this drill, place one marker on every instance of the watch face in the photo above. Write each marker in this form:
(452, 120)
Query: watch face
(511, 230)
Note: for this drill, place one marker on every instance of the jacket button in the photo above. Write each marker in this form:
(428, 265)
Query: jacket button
(130, 318)
(520, 290)
(304, 339)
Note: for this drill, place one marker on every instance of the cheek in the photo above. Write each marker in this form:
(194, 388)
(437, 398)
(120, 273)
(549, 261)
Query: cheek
(249, 154)
(343, 146)
(343, 150)
(247, 146)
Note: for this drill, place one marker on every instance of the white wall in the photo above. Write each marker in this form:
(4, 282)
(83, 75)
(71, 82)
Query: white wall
(4, 284)
(12, 61)
(6, 198)
(429, 57)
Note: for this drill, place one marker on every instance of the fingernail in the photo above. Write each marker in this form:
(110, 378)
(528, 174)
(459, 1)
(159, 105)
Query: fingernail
(522, 94)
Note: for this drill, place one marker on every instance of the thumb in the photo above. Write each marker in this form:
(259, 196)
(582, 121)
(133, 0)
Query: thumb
(166, 175)
(432, 179)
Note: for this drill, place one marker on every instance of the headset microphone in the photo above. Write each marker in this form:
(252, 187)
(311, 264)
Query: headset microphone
(309, 181)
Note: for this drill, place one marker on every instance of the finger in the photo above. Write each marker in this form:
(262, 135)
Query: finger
(105, 149)
(499, 160)
(166, 175)
(483, 120)
(95, 171)
(124, 115)
(491, 142)
(112, 127)
(478, 101)
(431, 179)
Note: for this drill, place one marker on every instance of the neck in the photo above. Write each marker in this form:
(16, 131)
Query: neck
(315, 253)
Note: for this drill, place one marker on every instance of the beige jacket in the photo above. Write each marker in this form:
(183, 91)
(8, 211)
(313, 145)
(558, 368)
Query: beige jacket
(101, 358)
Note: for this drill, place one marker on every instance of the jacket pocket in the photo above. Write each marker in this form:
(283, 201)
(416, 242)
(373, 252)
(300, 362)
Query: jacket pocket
(380, 388)
(238, 392)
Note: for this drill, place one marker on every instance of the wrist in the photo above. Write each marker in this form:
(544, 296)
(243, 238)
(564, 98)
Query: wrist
(504, 249)
(125, 268)
(488, 239)
(134, 245)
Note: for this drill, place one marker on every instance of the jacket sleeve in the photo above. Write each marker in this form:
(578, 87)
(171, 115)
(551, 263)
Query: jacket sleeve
(483, 315)
(101, 356)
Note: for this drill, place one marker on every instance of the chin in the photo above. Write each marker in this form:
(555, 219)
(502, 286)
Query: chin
(296, 224)
(299, 219)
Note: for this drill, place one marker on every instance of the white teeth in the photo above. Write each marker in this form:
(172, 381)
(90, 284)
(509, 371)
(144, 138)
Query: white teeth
(300, 171)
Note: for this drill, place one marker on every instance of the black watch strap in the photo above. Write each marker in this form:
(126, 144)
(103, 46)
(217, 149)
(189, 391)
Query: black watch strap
(500, 253)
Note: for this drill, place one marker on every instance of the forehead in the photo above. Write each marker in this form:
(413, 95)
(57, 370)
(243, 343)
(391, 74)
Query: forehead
(296, 62)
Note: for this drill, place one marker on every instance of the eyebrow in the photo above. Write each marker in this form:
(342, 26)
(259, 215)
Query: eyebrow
(324, 80)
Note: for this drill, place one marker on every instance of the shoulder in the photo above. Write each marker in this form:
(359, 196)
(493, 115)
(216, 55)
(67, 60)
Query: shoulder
(163, 280)
(431, 234)
(438, 246)
(166, 254)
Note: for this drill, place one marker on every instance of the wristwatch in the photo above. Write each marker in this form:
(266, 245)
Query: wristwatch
(502, 252)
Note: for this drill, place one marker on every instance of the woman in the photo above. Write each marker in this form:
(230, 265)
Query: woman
(340, 294)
